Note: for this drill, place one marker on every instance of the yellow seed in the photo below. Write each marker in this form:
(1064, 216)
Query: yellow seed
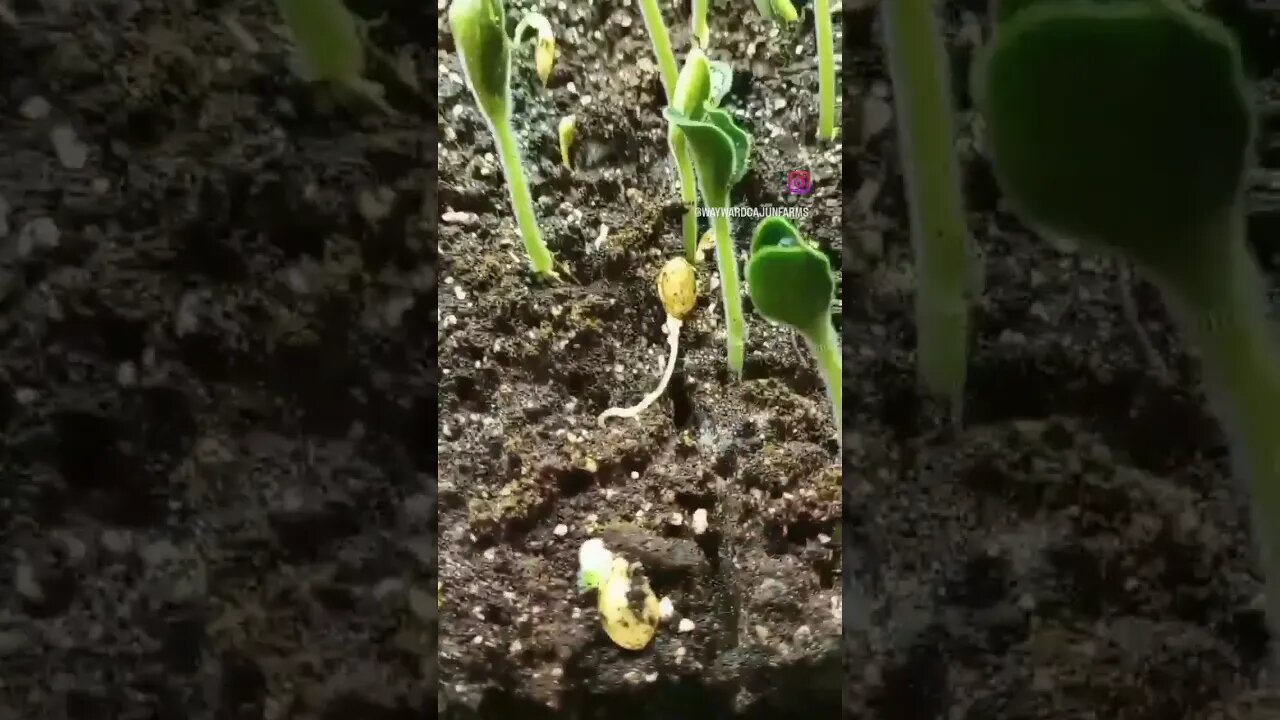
(677, 287)
(626, 627)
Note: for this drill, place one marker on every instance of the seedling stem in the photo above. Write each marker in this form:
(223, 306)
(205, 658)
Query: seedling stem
(945, 266)
(698, 23)
(669, 71)
(826, 69)
(521, 201)
(727, 265)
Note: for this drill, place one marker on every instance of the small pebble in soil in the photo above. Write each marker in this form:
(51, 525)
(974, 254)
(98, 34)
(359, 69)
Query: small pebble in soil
(699, 521)
(561, 530)
(35, 108)
(39, 234)
(686, 625)
(456, 217)
(72, 153)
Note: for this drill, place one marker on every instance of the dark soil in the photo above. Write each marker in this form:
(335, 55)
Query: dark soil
(1079, 549)
(526, 368)
(216, 373)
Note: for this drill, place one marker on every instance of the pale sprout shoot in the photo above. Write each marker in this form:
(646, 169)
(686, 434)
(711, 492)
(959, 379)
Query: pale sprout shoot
(330, 44)
(594, 563)
(678, 290)
(706, 244)
(568, 132)
(544, 54)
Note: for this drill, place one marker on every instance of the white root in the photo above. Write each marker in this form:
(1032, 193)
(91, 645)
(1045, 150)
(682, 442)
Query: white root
(672, 327)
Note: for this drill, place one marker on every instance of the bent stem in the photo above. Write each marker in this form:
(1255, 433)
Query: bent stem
(825, 346)
(826, 70)
(521, 201)
(940, 238)
(1220, 303)
(727, 264)
(669, 72)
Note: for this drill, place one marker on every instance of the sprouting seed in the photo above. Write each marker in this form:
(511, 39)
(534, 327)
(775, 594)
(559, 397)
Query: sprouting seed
(678, 291)
(544, 54)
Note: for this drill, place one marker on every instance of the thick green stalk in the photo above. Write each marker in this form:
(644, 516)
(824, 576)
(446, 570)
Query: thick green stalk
(698, 23)
(669, 72)
(688, 190)
(727, 263)
(521, 201)
(945, 267)
(1219, 300)
(824, 343)
(667, 67)
(826, 69)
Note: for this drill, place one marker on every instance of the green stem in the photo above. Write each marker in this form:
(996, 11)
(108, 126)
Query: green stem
(826, 70)
(521, 201)
(824, 343)
(670, 72)
(945, 267)
(698, 23)
(1219, 300)
(727, 263)
(667, 67)
(688, 191)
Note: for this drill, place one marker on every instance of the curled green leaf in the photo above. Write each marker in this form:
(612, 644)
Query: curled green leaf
(791, 281)
(1121, 124)
(721, 81)
(693, 86)
(721, 150)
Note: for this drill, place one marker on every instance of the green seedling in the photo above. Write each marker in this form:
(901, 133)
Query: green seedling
(544, 54)
(721, 150)
(698, 23)
(669, 72)
(946, 265)
(1127, 126)
(330, 44)
(792, 284)
(825, 38)
(567, 132)
(678, 291)
(479, 31)
(778, 10)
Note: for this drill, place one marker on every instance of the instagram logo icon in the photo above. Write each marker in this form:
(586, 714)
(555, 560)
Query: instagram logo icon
(799, 182)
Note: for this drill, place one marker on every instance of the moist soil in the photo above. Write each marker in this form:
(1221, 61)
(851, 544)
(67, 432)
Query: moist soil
(216, 371)
(527, 474)
(1078, 549)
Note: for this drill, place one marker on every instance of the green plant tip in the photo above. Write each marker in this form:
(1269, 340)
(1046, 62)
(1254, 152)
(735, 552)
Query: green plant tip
(721, 149)
(1119, 124)
(790, 280)
(567, 132)
(480, 36)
